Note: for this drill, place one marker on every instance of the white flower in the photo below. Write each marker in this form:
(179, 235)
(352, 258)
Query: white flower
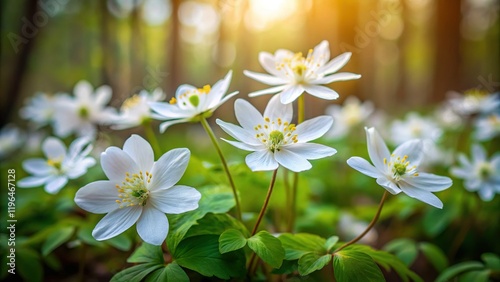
(138, 190)
(191, 103)
(350, 114)
(135, 110)
(399, 171)
(414, 127)
(40, 109)
(480, 174)
(60, 164)
(474, 101)
(291, 74)
(273, 139)
(11, 138)
(82, 113)
(487, 127)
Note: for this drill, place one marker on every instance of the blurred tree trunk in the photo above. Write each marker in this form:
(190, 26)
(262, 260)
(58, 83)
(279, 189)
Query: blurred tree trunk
(105, 44)
(447, 61)
(19, 68)
(175, 57)
(137, 67)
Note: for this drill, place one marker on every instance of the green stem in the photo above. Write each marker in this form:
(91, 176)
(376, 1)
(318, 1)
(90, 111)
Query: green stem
(293, 209)
(211, 134)
(150, 134)
(369, 227)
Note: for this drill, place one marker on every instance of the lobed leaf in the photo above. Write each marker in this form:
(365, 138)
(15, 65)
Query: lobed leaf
(311, 262)
(231, 240)
(268, 248)
(352, 265)
(147, 253)
(297, 245)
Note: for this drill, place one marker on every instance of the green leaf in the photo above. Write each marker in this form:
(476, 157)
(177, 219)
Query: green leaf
(28, 264)
(355, 266)
(287, 267)
(268, 248)
(434, 255)
(457, 269)
(122, 242)
(231, 240)
(297, 245)
(436, 220)
(212, 200)
(147, 253)
(476, 276)
(171, 272)
(311, 262)
(56, 239)
(216, 224)
(492, 261)
(404, 249)
(201, 254)
(330, 242)
(135, 273)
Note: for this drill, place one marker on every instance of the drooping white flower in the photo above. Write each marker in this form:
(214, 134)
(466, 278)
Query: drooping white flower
(40, 109)
(487, 127)
(191, 103)
(480, 174)
(135, 110)
(399, 171)
(138, 190)
(59, 166)
(11, 138)
(273, 139)
(350, 114)
(291, 74)
(474, 101)
(82, 113)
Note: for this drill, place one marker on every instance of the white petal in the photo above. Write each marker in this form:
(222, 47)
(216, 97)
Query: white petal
(152, 226)
(313, 128)
(461, 172)
(486, 193)
(473, 184)
(103, 95)
(168, 111)
(83, 89)
(33, 181)
(246, 114)
(322, 92)
(140, 151)
(335, 64)
(169, 169)
(184, 88)
(53, 148)
(429, 182)
(275, 109)
(265, 78)
(413, 149)
(291, 93)
(218, 90)
(98, 197)
(116, 222)
(341, 76)
(224, 100)
(261, 160)
(377, 150)
(311, 151)
(292, 161)
(56, 184)
(271, 90)
(167, 124)
(364, 167)
(238, 133)
(175, 200)
(37, 166)
(478, 153)
(116, 163)
(243, 146)
(321, 53)
(268, 62)
(421, 195)
(388, 185)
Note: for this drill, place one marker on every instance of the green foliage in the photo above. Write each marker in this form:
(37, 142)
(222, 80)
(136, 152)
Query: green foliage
(434, 255)
(311, 262)
(352, 265)
(268, 248)
(407, 250)
(297, 245)
(135, 273)
(472, 270)
(147, 253)
(171, 272)
(231, 240)
(57, 238)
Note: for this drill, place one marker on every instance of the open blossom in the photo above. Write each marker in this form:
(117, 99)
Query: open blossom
(291, 74)
(191, 103)
(399, 171)
(474, 101)
(350, 114)
(136, 111)
(480, 174)
(138, 190)
(273, 139)
(414, 126)
(60, 164)
(11, 138)
(487, 127)
(40, 109)
(83, 112)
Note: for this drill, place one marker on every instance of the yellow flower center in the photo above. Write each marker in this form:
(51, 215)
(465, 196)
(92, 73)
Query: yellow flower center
(275, 133)
(191, 97)
(297, 65)
(352, 113)
(131, 102)
(400, 167)
(84, 112)
(484, 170)
(133, 190)
(55, 163)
